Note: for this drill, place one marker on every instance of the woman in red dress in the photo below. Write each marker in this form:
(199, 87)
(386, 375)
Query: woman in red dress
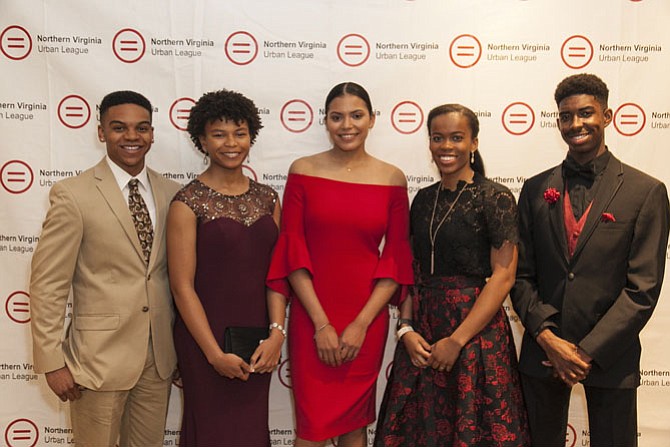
(339, 205)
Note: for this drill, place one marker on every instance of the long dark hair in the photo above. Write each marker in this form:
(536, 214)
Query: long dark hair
(473, 123)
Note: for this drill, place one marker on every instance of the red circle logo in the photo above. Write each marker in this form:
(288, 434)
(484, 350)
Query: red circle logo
(353, 50)
(17, 307)
(465, 51)
(577, 52)
(407, 117)
(15, 42)
(241, 48)
(570, 436)
(518, 118)
(180, 111)
(284, 373)
(128, 46)
(296, 116)
(250, 171)
(21, 433)
(74, 112)
(629, 119)
(16, 176)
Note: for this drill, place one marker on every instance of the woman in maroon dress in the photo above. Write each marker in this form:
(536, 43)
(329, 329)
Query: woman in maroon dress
(339, 205)
(221, 230)
(454, 380)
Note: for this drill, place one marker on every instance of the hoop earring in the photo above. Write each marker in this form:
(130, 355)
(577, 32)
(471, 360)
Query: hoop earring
(472, 157)
(205, 159)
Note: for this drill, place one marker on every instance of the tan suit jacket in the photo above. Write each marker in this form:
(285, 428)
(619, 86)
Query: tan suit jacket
(89, 245)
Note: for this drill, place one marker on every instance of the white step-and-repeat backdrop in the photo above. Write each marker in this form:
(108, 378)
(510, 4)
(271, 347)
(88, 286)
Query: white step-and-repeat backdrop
(502, 58)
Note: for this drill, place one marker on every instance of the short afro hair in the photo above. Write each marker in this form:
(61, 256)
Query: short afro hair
(222, 105)
(124, 97)
(582, 84)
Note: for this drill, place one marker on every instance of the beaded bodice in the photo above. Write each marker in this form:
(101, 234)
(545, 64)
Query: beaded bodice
(246, 208)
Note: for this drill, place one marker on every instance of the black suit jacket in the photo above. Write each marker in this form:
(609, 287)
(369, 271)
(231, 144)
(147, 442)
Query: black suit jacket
(602, 296)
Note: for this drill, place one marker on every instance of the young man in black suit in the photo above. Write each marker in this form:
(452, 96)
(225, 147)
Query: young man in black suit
(593, 238)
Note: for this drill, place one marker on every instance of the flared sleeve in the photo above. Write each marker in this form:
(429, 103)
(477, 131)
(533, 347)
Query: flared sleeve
(396, 258)
(290, 252)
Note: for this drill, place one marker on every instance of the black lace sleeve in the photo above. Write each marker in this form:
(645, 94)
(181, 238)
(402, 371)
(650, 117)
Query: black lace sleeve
(501, 215)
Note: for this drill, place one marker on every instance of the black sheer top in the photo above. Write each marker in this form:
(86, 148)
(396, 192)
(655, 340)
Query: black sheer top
(484, 216)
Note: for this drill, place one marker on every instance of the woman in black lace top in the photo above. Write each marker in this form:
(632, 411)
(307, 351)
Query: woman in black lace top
(221, 230)
(454, 380)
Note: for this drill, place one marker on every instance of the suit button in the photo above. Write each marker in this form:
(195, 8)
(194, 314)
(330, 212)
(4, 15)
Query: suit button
(571, 276)
(145, 309)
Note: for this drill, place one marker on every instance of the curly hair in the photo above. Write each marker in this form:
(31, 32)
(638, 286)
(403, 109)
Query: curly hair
(123, 97)
(226, 105)
(582, 84)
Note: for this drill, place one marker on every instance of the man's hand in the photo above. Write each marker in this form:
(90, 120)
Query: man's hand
(62, 384)
(570, 363)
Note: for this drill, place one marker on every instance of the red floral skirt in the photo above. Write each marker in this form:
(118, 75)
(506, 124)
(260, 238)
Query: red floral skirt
(478, 403)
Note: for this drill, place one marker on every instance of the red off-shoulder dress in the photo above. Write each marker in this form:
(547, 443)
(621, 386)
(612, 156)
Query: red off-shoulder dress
(347, 235)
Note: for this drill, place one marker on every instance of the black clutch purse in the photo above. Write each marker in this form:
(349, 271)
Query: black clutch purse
(243, 341)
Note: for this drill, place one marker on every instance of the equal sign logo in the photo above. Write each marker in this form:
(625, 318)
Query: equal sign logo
(74, 112)
(284, 374)
(296, 116)
(17, 307)
(241, 48)
(128, 45)
(577, 52)
(180, 111)
(465, 51)
(353, 50)
(629, 119)
(15, 42)
(21, 433)
(16, 176)
(518, 118)
(407, 117)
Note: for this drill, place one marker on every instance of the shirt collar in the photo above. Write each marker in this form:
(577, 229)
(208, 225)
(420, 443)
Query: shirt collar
(599, 163)
(122, 177)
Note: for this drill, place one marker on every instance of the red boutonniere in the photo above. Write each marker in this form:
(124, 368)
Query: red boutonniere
(607, 217)
(551, 195)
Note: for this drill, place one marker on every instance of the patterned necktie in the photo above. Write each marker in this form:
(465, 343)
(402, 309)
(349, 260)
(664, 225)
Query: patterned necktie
(141, 219)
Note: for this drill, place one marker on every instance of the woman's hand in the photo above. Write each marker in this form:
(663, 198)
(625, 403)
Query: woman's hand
(328, 346)
(444, 354)
(417, 348)
(351, 340)
(267, 354)
(231, 366)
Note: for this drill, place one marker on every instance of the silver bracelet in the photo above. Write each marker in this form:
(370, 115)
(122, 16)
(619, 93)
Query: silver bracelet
(279, 327)
(403, 330)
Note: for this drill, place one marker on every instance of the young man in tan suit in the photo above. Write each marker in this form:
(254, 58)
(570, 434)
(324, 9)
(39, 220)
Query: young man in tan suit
(104, 239)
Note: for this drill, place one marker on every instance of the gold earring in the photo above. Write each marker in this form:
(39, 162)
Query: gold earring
(472, 157)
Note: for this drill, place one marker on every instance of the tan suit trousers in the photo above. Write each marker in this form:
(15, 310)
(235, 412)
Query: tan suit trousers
(133, 418)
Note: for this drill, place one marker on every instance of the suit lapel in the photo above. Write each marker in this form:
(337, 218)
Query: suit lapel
(161, 215)
(106, 184)
(556, 212)
(609, 185)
